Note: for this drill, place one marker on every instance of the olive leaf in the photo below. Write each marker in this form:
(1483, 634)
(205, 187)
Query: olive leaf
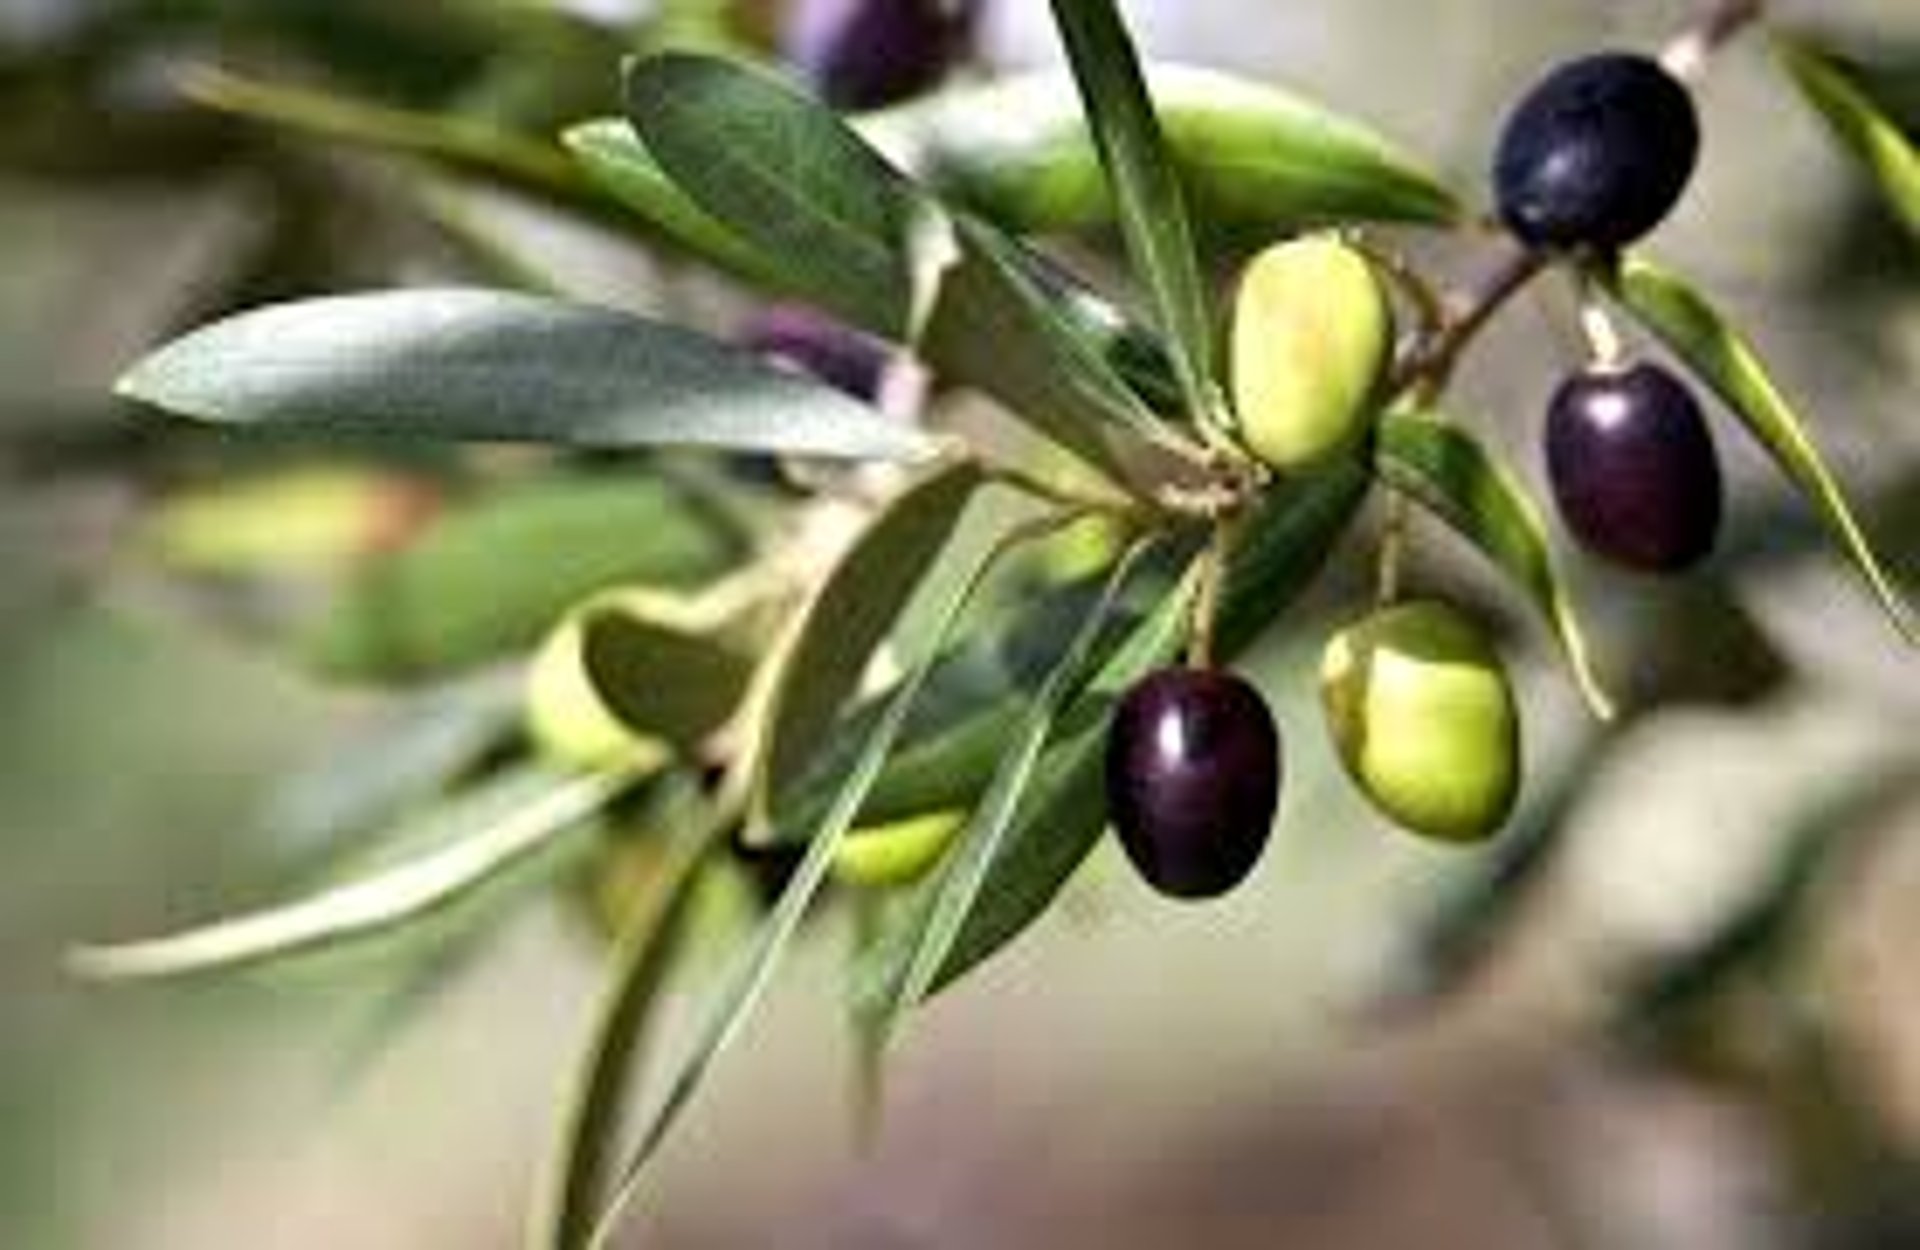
(1253, 159)
(1668, 306)
(1857, 123)
(497, 827)
(830, 220)
(657, 676)
(965, 872)
(488, 579)
(1446, 470)
(1147, 195)
(790, 179)
(474, 148)
(740, 991)
(851, 615)
(572, 1186)
(614, 158)
(474, 365)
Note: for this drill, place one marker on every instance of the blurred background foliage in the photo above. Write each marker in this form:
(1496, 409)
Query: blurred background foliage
(1671, 1007)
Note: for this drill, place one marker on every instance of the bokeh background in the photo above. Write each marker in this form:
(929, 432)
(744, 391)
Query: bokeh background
(1675, 1007)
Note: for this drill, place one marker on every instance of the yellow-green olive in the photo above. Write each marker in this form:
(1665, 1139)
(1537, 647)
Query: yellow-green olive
(882, 856)
(1312, 335)
(1423, 718)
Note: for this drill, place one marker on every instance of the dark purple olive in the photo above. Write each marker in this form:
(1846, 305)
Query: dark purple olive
(866, 54)
(817, 345)
(1193, 779)
(1633, 467)
(1597, 154)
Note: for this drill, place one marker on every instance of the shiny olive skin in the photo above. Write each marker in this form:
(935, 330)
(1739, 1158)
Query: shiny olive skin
(1633, 468)
(1193, 779)
(867, 54)
(1597, 153)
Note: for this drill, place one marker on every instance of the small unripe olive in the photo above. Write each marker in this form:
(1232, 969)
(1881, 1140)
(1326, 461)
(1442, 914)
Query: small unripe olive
(567, 720)
(883, 856)
(1312, 335)
(1423, 718)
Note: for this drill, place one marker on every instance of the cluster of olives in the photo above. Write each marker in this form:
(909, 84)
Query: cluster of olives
(1415, 698)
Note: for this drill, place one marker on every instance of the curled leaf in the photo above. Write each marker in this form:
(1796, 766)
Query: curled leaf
(1447, 471)
(1719, 356)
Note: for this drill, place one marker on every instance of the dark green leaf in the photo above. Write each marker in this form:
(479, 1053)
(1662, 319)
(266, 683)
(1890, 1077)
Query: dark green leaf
(1145, 184)
(499, 825)
(1858, 124)
(1282, 545)
(493, 578)
(486, 366)
(740, 992)
(784, 174)
(854, 611)
(1668, 306)
(1446, 470)
(1253, 159)
(1061, 816)
(963, 877)
(658, 677)
(613, 157)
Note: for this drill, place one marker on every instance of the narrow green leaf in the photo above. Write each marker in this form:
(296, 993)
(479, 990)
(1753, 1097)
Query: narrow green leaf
(1146, 186)
(1443, 467)
(851, 615)
(1857, 123)
(1283, 545)
(1716, 352)
(1254, 159)
(573, 1185)
(613, 156)
(516, 816)
(476, 149)
(1060, 815)
(964, 876)
(784, 174)
(829, 220)
(491, 578)
(487, 366)
(727, 1013)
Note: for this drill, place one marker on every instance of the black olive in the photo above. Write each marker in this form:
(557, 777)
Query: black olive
(1633, 467)
(1597, 154)
(820, 347)
(866, 54)
(1193, 779)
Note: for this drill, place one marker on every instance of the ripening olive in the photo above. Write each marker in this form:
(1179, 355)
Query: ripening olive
(1193, 779)
(866, 54)
(1312, 334)
(1633, 467)
(1423, 719)
(1597, 154)
(884, 856)
(828, 350)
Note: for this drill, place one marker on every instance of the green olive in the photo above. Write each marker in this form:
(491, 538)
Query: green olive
(882, 856)
(1423, 718)
(1312, 335)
